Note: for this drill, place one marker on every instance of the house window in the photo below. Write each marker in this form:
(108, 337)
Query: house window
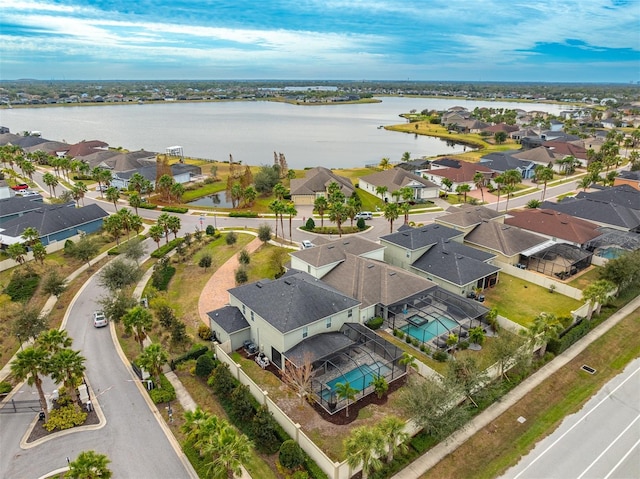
(309, 269)
(328, 322)
(243, 309)
(252, 316)
(305, 332)
(350, 313)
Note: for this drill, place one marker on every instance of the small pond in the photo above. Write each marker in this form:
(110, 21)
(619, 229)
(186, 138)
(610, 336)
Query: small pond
(218, 200)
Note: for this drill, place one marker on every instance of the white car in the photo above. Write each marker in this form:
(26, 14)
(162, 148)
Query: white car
(307, 244)
(99, 319)
(365, 215)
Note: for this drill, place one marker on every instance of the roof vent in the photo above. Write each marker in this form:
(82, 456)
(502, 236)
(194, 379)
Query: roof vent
(330, 246)
(392, 273)
(369, 266)
(286, 281)
(259, 284)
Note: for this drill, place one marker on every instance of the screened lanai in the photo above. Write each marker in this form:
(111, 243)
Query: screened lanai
(362, 357)
(614, 243)
(430, 318)
(560, 259)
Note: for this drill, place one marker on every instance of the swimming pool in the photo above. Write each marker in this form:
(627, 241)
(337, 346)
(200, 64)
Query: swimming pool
(358, 378)
(429, 330)
(610, 252)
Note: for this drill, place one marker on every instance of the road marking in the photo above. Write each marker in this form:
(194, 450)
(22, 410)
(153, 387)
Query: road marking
(576, 424)
(622, 460)
(608, 447)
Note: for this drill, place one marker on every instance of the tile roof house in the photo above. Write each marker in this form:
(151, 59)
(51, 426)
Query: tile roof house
(555, 226)
(506, 242)
(54, 223)
(458, 171)
(397, 178)
(304, 191)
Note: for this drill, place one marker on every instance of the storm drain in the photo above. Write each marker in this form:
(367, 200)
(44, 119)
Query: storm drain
(588, 369)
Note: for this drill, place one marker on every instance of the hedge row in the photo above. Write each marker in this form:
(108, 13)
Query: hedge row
(164, 249)
(161, 277)
(148, 206)
(164, 393)
(243, 214)
(194, 353)
(175, 209)
(571, 336)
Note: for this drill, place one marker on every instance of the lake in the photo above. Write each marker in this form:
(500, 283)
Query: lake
(334, 136)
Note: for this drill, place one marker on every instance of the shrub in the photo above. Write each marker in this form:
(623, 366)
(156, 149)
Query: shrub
(375, 323)
(313, 469)
(243, 214)
(300, 475)
(241, 276)
(147, 206)
(164, 249)
(291, 455)
(415, 342)
(204, 366)
(407, 339)
(310, 225)
(65, 418)
(231, 238)
(204, 332)
(68, 246)
(196, 351)
(5, 387)
(22, 286)
(161, 277)
(210, 230)
(264, 233)
(242, 409)
(164, 393)
(175, 209)
(221, 381)
(263, 429)
(464, 345)
(400, 334)
(361, 224)
(395, 332)
(440, 356)
(569, 337)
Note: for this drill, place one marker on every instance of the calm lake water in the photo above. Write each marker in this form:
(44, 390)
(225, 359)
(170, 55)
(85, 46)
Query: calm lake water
(335, 136)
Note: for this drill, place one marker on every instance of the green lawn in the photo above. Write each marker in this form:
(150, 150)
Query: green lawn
(584, 279)
(521, 301)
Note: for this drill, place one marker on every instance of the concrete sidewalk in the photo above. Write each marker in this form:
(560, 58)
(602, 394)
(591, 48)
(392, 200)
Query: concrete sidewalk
(447, 446)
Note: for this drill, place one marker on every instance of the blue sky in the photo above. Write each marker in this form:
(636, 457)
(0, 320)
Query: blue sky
(430, 40)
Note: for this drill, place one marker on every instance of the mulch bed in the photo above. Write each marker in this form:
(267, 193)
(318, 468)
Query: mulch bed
(39, 431)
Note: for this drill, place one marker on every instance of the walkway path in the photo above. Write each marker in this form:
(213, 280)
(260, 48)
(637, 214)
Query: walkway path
(215, 293)
(435, 455)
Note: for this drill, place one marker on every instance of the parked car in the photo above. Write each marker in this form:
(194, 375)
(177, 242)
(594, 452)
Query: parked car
(365, 215)
(307, 244)
(20, 187)
(102, 188)
(99, 319)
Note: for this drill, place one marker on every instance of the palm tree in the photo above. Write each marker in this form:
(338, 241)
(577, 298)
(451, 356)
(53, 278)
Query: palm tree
(28, 168)
(409, 361)
(164, 222)
(276, 206)
(67, 367)
(136, 182)
(194, 421)
(31, 236)
(392, 429)
(384, 164)
(500, 181)
(320, 206)
(279, 191)
(391, 213)
(112, 224)
(163, 186)
(345, 391)
(512, 178)
(585, 182)
(477, 335)
(137, 321)
(152, 359)
(545, 326)
(156, 232)
(229, 450)
(464, 188)
(381, 191)
(17, 252)
(30, 364)
(364, 446)
(125, 218)
(54, 340)
(290, 210)
(478, 181)
(544, 175)
(79, 189)
(135, 201)
(174, 224)
(113, 195)
(338, 214)
(597, 292)
(89, 465)
(51, 181)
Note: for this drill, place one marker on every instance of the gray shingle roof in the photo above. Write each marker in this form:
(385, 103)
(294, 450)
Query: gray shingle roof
(229, 318)
(622, 195)
(454, 262)
(53, 219)
(505, 239)
(19, 204)
(598, 211)
(416, 238)
(293, 300)
(396, 178)
(375, 282)
(317, 180)
(468, 215)
(504, 161)
(335, 251)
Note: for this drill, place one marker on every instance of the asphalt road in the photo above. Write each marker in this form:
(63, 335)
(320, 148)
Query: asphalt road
(132, 437)
(601, 441)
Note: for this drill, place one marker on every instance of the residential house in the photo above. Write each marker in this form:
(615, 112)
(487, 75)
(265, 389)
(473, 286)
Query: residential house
(315, 184)
(465, 218)
(395, 179)
(499, 162)
(540, 156)
(629, 178)
(15, 206)
(458, 171)
(5, 191)
(54, 223)
(508, 243)
(181, 172)
(436, 253)
(562, 149)
(555, 226)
